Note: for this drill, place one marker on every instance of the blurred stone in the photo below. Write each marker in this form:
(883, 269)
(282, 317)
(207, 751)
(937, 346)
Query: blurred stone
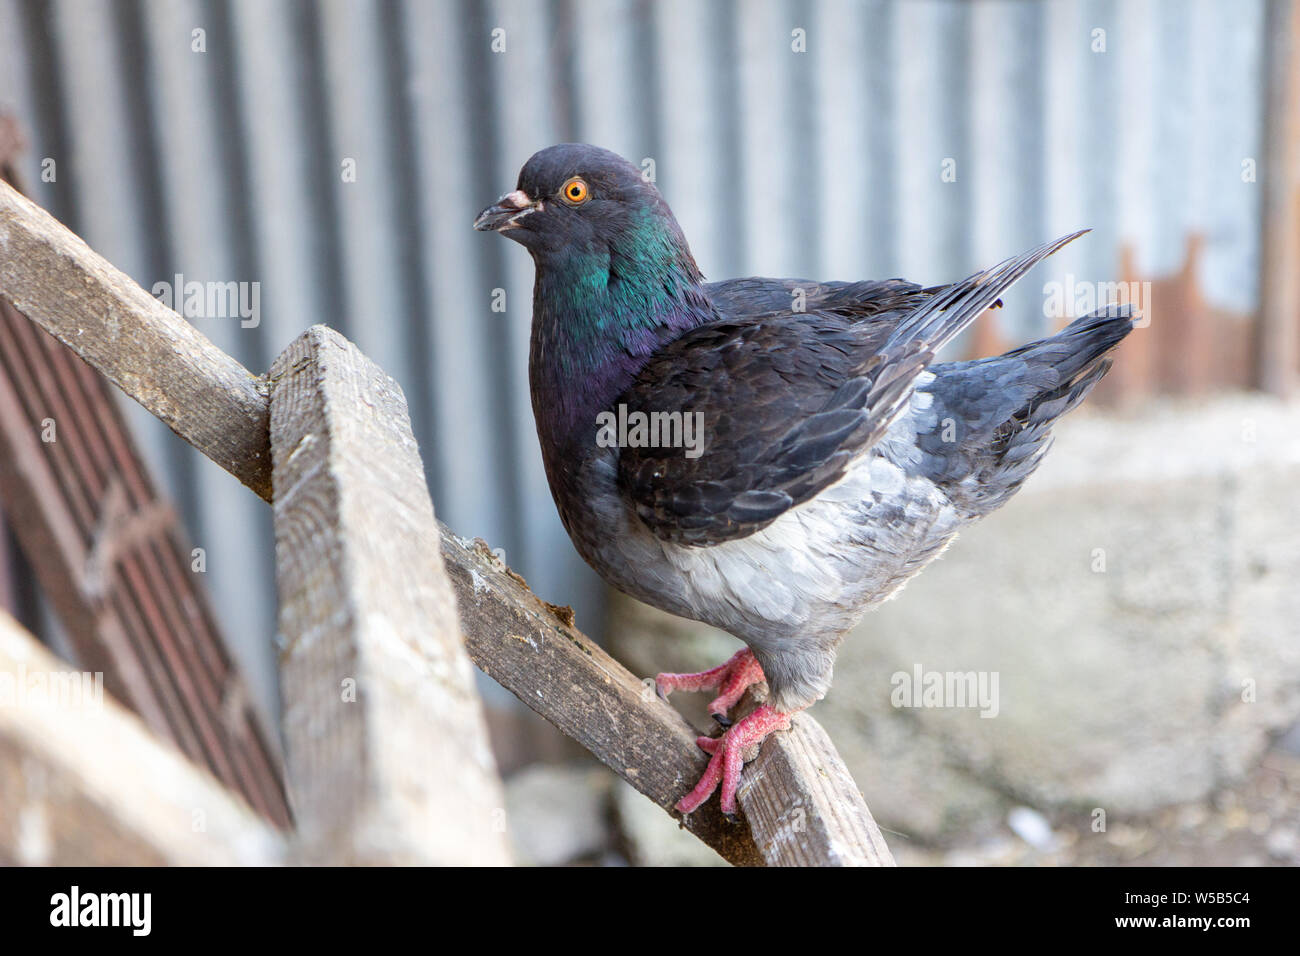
(653, 838)
(558, 814)
(1032, 827)
(1192, 816)
(520, 737)
(1284, 844)
(1290, 741)
(1137, 601)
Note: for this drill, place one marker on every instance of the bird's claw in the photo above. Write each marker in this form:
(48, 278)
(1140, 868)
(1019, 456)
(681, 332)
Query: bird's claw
(727, 757)
(731, 680)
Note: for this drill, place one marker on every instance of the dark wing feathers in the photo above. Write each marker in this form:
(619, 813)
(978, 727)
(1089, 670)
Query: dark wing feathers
(780, 401)
(756, 297)
(788, 399)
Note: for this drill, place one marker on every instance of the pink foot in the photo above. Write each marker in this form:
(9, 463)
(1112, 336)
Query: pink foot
(732, 679)
(728, 757)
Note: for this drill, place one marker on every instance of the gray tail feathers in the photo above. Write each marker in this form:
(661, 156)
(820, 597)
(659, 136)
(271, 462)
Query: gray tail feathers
(1009, 404)
(1077, 353)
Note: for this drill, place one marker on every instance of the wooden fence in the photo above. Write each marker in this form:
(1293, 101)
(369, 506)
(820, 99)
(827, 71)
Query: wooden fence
(382, 609)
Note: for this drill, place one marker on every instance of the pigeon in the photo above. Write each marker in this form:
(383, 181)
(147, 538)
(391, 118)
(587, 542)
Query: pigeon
(772, 457)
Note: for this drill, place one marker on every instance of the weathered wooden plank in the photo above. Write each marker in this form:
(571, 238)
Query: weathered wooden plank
(533, 650)
(803, 806)
(84, 782)
(800, 804)
(386, 744)
(139, 344)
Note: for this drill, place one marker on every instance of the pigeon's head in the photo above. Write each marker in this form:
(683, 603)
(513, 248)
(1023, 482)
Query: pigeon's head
(579, 199)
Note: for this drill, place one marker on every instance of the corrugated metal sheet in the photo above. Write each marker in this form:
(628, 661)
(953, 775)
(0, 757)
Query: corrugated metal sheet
(227, 165)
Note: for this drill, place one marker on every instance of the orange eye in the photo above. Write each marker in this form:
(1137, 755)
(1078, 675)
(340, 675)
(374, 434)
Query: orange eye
(575, 191)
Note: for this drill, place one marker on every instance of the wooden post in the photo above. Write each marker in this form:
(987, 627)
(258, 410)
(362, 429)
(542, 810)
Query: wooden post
(84, 783)
(387, 748)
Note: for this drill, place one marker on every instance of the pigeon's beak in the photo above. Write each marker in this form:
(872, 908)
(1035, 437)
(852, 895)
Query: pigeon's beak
(507, 212)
